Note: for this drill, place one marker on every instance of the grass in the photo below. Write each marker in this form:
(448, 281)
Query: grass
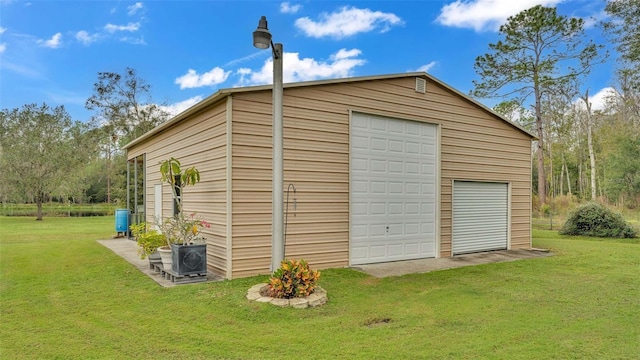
(65, 296)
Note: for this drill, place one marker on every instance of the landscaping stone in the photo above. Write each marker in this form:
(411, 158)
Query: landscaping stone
(299, 303)
(316, 299)
(280, 302)
(257, 288)
(258, 293)
(253, 295)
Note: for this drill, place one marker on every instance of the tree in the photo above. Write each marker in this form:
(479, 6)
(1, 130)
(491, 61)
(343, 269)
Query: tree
(124, 105)
(43, 151)
(557, 126)
(620, 138)
(513, 111)
(125, 111)
(623, 168)
(538, 50)
(626, 102)
(625, 28)
(588, 121)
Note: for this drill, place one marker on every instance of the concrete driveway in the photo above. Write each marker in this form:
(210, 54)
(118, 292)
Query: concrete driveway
(399, 268)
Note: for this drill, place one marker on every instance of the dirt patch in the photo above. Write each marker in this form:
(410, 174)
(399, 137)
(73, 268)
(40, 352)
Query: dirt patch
(375, 322)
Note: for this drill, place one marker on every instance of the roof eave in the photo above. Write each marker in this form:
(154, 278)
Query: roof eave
(223, 93)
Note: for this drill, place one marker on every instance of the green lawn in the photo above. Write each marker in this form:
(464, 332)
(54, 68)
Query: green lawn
(65, 296)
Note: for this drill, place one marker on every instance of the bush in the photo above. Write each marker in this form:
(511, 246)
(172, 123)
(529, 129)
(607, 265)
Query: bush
(293, 279)
(148, 240)
(593, 219)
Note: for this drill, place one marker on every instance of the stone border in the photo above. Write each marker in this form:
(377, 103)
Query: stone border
(319, 297)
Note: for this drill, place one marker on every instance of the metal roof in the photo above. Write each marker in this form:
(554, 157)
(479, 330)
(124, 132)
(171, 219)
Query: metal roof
(223, 93)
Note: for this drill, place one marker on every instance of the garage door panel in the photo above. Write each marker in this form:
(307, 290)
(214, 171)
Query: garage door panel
(393, 189)
(480, 216)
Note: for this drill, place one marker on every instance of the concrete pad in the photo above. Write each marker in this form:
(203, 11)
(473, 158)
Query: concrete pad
(128, 250)
(399, 268)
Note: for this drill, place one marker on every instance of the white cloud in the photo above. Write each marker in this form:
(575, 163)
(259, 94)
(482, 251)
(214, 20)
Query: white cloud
(133, 40)
(427, 67)
(2, 30)
(85, 38)
(485, 14)
(134, 8)
(340, 65)
(3, 47)
(129, 27)
(192, 80)
(287, 8)
(598, 100)
(52, 43)
(345, 54)
(177, 108)
(347, 21)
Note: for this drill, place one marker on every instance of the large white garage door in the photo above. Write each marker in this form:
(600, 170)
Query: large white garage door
(393, 189)
(480, 216)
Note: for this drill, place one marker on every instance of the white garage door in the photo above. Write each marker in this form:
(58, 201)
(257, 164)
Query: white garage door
(480, 216)
(393, 189)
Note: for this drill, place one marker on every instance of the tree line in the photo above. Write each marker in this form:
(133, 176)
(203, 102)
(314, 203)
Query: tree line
(538, 68)
(47, 156)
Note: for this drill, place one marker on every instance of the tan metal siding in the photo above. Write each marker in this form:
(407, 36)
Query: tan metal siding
(201, 142)
(475, 145)
(316, 161)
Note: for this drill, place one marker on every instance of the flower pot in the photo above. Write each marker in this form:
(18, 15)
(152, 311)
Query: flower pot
(154, 256)
(189, 259)
(167, 258)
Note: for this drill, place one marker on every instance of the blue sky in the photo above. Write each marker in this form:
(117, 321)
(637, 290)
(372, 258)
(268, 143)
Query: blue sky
(51, 51)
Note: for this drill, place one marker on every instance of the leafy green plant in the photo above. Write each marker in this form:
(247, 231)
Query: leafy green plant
(180, 229)
(148, 240)
(183, 230)
(593, 219)
(293, 279)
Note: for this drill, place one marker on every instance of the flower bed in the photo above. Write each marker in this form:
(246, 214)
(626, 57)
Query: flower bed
(259, 293)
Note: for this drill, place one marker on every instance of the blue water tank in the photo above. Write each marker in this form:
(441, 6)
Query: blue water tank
(122, 220)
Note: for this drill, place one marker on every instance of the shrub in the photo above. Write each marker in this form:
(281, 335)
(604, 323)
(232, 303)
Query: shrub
(293, 279)
(148, 240)
(593, 219)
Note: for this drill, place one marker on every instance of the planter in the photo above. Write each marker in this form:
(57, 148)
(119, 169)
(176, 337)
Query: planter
(154, 256)
(167, 258)
(189, 259)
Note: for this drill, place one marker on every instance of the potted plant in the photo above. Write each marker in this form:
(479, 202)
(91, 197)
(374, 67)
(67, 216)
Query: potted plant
(148, 241)
(182, 233)
(185, 244)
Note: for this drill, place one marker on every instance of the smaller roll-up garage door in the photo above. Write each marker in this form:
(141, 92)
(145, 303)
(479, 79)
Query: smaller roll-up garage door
(480, 216)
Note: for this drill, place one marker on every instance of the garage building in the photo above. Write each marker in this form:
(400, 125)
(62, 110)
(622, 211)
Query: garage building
(385, 168)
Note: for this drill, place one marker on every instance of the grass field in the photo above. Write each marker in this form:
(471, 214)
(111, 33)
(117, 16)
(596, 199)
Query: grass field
(64, 296)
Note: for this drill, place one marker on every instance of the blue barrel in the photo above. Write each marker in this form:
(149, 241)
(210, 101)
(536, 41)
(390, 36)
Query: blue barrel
(122, 220)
